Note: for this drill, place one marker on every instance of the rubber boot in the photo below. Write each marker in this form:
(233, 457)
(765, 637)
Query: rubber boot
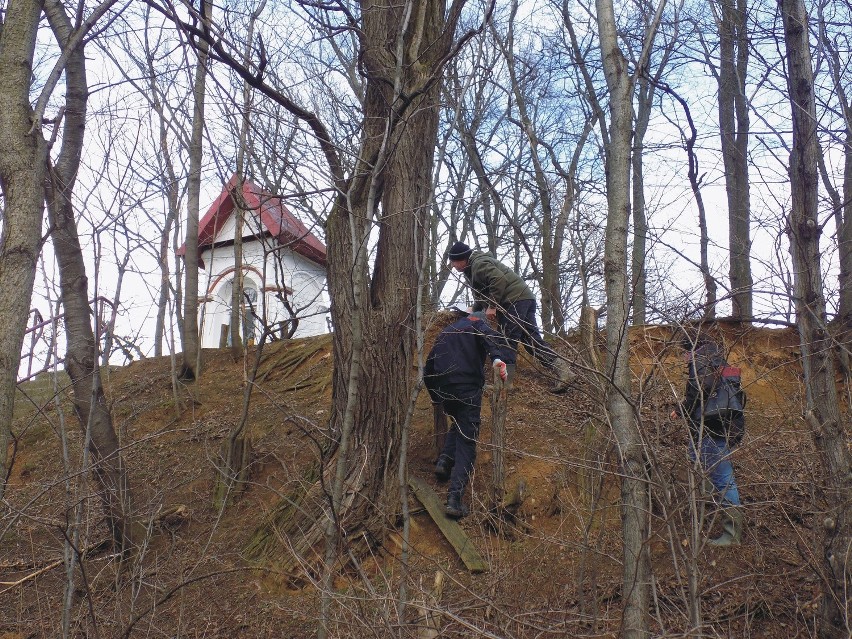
(440, 429)
(444, 468)
(565, 376)
(455, 508)
(732, 524)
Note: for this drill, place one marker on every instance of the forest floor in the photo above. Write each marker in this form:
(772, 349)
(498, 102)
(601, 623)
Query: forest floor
(555, 571)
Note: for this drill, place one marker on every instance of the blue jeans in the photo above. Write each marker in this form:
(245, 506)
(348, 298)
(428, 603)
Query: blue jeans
(716, 462)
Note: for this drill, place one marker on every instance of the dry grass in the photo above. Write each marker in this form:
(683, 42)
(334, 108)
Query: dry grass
(556, 573)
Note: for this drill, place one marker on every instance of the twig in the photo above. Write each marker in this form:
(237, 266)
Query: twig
(50, 566)
(13, 584)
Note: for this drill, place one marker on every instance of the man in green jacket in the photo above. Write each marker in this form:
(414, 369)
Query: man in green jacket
(500, 292)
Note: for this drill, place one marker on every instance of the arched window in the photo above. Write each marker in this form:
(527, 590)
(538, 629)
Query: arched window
(250, 311)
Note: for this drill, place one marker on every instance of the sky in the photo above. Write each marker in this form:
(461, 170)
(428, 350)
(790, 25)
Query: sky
(119, 130)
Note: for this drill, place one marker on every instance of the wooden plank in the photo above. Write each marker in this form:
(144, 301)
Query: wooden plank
(449, 527)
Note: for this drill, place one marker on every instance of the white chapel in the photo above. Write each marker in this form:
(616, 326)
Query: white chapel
(283, 266)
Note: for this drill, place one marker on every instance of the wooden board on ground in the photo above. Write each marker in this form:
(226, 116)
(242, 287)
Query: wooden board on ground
(449, 527)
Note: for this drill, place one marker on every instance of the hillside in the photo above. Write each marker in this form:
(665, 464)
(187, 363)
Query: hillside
(555, 572)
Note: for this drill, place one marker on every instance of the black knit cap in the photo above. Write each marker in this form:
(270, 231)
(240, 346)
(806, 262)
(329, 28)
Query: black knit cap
(460, 251)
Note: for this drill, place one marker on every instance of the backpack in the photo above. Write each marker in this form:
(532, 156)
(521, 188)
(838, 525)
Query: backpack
(723, 397)
(726, 398)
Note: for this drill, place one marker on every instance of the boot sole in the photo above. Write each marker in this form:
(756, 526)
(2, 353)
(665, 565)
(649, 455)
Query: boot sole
(452, 513)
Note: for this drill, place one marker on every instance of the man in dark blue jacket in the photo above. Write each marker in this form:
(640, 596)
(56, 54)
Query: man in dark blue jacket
(454, 377)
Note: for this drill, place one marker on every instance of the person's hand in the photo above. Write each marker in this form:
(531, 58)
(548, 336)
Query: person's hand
(673, 414)
(491, 312)
(500, 369)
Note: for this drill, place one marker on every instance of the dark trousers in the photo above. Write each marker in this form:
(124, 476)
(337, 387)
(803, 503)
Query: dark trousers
(463, 405)
(518, 323)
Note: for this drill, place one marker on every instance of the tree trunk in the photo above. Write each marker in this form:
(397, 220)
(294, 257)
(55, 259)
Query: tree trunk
(841, 201)
(499, 409)
(237, 347)
(649, 81)
(236, 450)
(845, 236)
(81, 356)
(23, 160)
(823, 411)
(172, 199)
(396, 195)
(237, 314)
(634, 485)
(373, 310)
(734, 129)
(172, 192)
(640, 220)
(106, 329)
(196, 148)
(591, 474)
(844, 249)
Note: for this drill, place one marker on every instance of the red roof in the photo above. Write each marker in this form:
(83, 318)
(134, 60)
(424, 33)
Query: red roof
(276, 218)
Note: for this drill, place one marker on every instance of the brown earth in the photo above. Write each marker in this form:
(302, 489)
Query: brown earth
(555, 571)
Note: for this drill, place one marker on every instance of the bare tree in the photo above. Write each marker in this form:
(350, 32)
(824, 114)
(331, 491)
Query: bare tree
(244, 141)
(191, 351)
(526, 185)
(822, 408)
(585, 230)
(623, 419)
(841, 201)
(23, 160)
(552, 219)
(373, 305)
(647, 91)
(390, 188)
(472, 121)
(81, 358)
(695, 185)
(23, 171)
(732, 18)
(142, 60)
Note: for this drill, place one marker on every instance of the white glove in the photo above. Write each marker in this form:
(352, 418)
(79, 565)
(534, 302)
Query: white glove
(500, 369)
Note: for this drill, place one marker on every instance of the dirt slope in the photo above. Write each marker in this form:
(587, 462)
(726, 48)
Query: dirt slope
(555, 573)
